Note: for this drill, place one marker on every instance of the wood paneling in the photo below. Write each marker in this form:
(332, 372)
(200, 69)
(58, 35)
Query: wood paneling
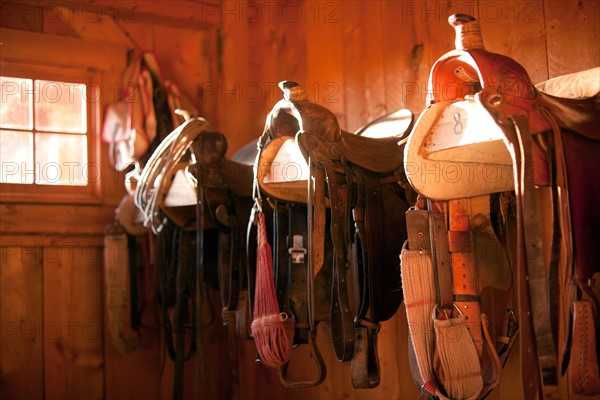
(73, 359)
(359, 59)
(22, 333)
(37, 218)
(516, 28)
(572, 31)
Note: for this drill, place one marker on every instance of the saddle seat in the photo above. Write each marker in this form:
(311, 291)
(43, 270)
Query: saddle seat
(381, 155)
(282, 168)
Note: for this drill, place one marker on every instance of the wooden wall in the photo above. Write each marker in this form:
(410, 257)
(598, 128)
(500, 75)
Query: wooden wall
(360, 59)
(365, 58)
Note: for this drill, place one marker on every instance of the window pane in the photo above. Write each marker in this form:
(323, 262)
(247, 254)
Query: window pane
(61, 106)
(16, 157)
(15, 103)
(62, 160)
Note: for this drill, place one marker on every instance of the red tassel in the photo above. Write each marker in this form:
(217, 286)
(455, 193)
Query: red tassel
(272, 330)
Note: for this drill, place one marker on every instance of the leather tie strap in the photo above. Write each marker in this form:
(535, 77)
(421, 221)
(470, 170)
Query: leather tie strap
(342, 325)
(533, 281)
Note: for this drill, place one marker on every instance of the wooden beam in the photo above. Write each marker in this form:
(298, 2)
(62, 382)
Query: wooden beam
(194, 15)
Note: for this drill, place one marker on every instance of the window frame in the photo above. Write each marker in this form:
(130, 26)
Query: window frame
(41, 193)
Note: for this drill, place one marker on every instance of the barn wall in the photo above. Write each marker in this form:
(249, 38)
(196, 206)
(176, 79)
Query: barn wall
(360, 59)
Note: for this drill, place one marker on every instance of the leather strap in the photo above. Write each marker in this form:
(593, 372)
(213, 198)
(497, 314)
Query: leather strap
(440, 253)
(368, 221)
(464, 270)
(297, 275)
(584, 379)
(341, 322)
(533, 280)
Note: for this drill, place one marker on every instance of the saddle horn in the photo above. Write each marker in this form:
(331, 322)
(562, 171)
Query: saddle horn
(468, 32)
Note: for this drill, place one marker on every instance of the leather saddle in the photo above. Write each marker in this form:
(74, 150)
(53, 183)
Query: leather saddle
(351, 194)
(488, 130)
(196, 200)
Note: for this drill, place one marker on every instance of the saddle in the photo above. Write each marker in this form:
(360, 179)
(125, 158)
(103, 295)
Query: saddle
(195, 199)
(349, 195)
(489, 132)
(145, 113)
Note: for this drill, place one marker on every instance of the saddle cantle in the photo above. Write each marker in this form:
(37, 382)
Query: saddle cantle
(352, 186)
(487, 129)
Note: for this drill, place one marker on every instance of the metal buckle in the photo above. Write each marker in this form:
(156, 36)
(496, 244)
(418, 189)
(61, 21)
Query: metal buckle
(297, 251)
(427, 392)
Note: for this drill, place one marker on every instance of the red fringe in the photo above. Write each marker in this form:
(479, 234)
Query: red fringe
(272, 330)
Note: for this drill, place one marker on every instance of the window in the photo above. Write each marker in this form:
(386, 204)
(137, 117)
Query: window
(47, 121)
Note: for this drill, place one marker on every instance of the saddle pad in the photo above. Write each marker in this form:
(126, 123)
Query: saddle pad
(583, 84)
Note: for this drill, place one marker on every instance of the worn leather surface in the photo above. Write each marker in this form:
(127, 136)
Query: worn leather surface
(378, 155)
(585, 378)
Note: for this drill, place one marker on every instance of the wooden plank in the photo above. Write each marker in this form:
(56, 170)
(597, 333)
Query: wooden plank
(373, 53)
(406, 67)
(50, 242)
(89, 23)
(292, 58)
(19, 16)
(236, 115)
(573, 34)
(54, 50)
(325, 57)
(73, 354)
(354, 64)
(516, 29)
(178, 13)
(260, 89)
(135, 375)
(60, 219)
(212, 58)
(189, 70)
(22, 333)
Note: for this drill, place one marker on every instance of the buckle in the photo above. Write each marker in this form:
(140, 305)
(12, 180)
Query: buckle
(427, 392)
(297, 251)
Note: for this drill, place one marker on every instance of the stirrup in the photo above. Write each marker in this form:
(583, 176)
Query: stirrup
(366, 373)
(321, 368)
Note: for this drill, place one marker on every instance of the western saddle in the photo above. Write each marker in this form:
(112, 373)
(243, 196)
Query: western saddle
(353, 186)
(497, 158)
